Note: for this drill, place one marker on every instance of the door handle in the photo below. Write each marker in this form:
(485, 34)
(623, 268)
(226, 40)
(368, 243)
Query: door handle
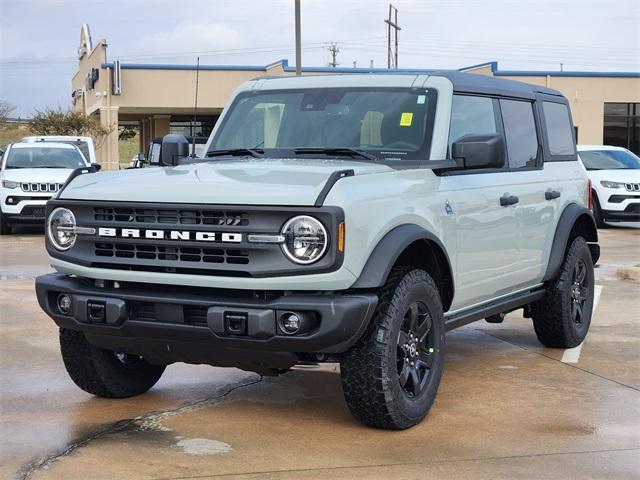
(507, 200)
(551, 194)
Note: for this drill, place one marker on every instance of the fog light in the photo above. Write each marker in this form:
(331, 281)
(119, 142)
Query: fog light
(64, 304)
(290, 323)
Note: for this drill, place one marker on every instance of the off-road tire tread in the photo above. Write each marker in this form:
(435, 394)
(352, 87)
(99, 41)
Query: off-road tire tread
(551, 314)
(94, 370)
(371, 402)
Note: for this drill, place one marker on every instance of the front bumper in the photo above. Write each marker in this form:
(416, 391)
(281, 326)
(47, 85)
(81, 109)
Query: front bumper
(167, 324)
(631, 213)
(30, 215)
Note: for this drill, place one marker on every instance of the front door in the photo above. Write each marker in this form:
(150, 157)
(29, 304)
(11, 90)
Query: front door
(487, 248)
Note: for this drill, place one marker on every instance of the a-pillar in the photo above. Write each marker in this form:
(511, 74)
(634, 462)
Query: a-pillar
(107, 150)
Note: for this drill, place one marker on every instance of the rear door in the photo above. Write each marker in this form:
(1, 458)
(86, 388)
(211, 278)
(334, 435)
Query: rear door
(535, 215)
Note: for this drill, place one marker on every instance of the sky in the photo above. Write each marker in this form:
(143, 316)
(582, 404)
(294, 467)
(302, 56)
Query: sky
(39, 38)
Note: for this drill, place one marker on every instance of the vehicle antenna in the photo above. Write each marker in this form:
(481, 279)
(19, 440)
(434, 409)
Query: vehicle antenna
(195, 111)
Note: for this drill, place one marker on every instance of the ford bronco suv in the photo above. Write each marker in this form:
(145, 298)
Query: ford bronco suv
(351, 219)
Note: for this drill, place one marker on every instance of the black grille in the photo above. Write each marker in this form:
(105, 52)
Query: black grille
(189, 314)
(633, 208)
(171, 253)
(210, 253)
(33, 212)
(171, 216)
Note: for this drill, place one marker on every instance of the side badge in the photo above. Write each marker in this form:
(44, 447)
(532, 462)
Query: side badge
(448, 208)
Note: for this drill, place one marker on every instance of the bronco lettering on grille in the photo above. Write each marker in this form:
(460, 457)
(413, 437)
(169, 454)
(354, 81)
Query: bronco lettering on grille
(169, 235)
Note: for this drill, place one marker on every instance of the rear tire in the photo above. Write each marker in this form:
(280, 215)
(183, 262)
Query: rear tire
(105, 373)
(5, 229)
(391, 376)
(562, 317)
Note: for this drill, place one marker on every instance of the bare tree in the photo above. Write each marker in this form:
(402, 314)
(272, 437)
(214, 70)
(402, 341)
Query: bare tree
(6, 109)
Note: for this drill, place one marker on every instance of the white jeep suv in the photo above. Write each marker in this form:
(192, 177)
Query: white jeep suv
(615, 177)
(31, 174)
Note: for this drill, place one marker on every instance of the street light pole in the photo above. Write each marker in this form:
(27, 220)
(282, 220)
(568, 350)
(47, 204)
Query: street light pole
(298, 47)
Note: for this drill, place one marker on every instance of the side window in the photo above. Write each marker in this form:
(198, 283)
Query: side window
(471, 115)
(556, 117)
(520, 133)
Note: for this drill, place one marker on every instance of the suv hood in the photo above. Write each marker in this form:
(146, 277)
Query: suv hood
(626, 175)
(232, 182)
(37, 175)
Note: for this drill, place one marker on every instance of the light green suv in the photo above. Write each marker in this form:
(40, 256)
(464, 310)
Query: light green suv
(350, 219)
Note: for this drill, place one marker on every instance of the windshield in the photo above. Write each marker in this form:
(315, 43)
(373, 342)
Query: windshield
(388, 123)
(609, 160)
(83, 146)
(43, 157)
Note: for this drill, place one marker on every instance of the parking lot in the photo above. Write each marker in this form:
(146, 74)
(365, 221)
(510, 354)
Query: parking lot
(507, 407)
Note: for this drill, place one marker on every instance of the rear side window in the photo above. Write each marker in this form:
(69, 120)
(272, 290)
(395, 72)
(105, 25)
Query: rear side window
(520, 133)
(471, 116)
(556, 116)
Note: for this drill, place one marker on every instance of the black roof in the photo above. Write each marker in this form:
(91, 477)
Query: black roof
(474, 83)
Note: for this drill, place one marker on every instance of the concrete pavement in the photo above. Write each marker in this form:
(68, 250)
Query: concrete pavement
(507, 407)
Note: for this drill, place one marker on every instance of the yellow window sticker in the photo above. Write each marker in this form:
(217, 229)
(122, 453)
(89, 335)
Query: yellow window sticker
(406, 119)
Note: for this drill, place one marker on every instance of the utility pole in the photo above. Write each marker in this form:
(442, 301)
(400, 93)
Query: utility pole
(392, 24)
(298, 43)
(333, 50)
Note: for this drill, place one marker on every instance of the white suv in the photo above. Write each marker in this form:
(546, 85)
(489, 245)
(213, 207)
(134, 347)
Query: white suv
(615, 176)
(31, 174)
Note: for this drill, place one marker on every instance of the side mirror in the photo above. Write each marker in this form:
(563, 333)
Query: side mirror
(173, 148)
(97, 166)
(479, 151)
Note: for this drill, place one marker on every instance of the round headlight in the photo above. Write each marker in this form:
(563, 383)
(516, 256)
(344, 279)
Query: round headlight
(60, 226)
(305, 239)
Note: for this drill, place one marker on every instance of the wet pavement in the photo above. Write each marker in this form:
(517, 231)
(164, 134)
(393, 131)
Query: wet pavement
(507, 407)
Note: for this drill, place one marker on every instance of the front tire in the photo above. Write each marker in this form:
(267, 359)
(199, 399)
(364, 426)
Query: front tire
(562, 317)
(391, 376)
(105, 373)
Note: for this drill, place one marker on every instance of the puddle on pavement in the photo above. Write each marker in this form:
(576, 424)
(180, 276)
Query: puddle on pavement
(202, 446)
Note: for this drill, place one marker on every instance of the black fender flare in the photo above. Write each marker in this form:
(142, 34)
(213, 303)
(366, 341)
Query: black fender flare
(385, 254)
(572, 216)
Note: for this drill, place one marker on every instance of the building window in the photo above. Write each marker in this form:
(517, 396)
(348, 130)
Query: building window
(183, 125)
(622, 125)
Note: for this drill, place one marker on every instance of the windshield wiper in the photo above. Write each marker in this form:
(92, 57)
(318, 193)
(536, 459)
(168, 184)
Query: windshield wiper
(257, 153)
(338, 151)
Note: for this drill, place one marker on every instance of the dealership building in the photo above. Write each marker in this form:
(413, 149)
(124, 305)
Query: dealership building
(159, 99)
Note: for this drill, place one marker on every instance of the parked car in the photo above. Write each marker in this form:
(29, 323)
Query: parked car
(615, 179)
(339, 218)
(85, 144)
(31, 174)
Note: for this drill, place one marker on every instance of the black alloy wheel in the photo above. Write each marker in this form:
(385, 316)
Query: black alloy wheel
(416, 345)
